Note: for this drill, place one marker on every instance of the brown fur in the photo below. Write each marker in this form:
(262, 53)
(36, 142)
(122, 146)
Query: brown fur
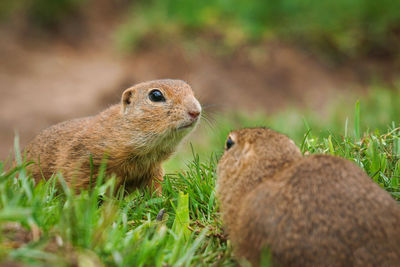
(135, 136)
(315, 211)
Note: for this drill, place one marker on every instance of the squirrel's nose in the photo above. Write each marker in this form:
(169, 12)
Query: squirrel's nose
(194, 114)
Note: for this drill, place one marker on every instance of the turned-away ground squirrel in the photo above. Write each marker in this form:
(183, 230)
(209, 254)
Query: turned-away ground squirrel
(307, 211)
(135, 136)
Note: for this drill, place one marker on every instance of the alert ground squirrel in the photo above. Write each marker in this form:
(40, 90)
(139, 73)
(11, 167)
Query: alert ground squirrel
(308, 211)
(136, 136)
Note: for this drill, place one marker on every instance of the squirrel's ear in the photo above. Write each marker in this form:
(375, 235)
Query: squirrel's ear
(127, 99)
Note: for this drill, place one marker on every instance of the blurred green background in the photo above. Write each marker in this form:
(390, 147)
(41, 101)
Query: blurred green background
(291, 65)
(336, 29)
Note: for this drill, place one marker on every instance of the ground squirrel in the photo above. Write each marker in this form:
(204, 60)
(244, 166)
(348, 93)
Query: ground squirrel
(307, 211)
(136, 136)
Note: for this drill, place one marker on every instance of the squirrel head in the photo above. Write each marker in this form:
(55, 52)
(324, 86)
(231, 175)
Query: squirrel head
(160, 113)
(251, 156)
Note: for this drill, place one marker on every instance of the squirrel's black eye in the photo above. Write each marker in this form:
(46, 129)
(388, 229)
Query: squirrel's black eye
(156, 96)
(229, 143)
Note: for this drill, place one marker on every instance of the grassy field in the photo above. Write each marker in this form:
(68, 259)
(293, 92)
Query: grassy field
(49, 225)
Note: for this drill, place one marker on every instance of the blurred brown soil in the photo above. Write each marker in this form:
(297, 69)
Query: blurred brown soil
(43, 82)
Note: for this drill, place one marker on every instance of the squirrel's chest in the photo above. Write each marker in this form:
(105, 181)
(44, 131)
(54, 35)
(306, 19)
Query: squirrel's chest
(133, 169)
(134, 172)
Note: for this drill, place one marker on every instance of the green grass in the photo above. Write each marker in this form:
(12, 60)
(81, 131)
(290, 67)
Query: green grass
(117, 231)
(48, 224)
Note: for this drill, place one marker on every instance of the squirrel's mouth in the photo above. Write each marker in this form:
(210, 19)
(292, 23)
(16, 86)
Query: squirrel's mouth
(188, 125)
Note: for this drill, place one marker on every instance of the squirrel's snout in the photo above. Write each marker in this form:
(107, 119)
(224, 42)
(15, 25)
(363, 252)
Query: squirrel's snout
(194, 114)
(193, 108)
